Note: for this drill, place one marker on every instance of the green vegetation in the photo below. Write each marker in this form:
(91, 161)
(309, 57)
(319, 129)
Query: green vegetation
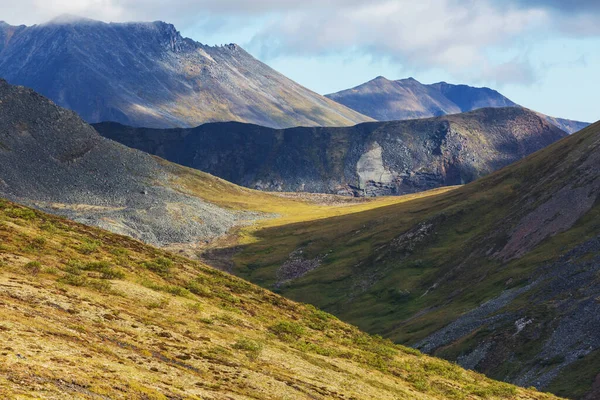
(88, 246)
(579, 377)
(161, 266)
(33, 267)
(251, 347)
(287, 330)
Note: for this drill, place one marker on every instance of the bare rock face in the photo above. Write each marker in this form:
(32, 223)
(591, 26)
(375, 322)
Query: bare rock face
(372, 174)
(372, 159)
(147, 74)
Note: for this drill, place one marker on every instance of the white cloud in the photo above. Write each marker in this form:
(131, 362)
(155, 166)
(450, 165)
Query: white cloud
(455, 35)
(433, 33)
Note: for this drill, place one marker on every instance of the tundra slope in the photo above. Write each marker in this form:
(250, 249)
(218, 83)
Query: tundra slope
(369, 159)
(120, 319)
(500, 275)
(386, 100)
(147, 74)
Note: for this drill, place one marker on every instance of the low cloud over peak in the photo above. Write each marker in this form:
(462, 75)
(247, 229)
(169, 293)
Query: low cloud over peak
(484, 40)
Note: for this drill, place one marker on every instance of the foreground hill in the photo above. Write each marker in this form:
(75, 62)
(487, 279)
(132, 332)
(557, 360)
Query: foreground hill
(147, 74)
(386, 100)
(500, 275)
(92, 315)
(365, 160)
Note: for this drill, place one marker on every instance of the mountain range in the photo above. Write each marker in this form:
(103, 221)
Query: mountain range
(52, 160)
(488, 257)
(371, 159)
(387, 100)
(89, 314)
(147, 74)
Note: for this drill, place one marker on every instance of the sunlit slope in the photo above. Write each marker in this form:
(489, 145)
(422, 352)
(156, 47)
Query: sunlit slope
(88, 314)
(419, 272)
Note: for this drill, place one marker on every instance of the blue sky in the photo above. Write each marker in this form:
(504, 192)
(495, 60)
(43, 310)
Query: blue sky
(540, 53)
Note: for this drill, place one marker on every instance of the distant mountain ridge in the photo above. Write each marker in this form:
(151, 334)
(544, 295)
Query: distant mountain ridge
(147, 74)
(372, 159)
(386, 100)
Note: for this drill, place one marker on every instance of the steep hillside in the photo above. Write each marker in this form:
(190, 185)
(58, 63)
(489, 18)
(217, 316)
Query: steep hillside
(386, 100)
(51, 159)
(365, 160)
(500, 275)
(147, 74)
(92, 315)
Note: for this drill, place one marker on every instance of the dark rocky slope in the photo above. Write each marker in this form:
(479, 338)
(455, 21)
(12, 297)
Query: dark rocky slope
(386, 100)
(53, 160)
(147, 74)
(365, 160)
(501, 275)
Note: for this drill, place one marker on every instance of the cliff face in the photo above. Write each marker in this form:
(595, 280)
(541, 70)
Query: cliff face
(147, 74)
(366, 160)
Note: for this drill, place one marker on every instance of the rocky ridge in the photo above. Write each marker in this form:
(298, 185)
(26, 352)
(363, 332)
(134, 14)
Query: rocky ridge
(147, 74)
(372, 159)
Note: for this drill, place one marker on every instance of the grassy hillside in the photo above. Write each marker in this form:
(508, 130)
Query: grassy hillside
(89, 314)
(484, 274)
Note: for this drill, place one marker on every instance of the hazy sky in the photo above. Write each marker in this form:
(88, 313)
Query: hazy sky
(542, 54)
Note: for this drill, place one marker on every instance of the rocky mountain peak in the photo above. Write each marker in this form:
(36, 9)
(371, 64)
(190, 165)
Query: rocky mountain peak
(148, 74)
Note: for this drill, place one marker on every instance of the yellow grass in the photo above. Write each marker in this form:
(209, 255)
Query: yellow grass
(87, 314)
